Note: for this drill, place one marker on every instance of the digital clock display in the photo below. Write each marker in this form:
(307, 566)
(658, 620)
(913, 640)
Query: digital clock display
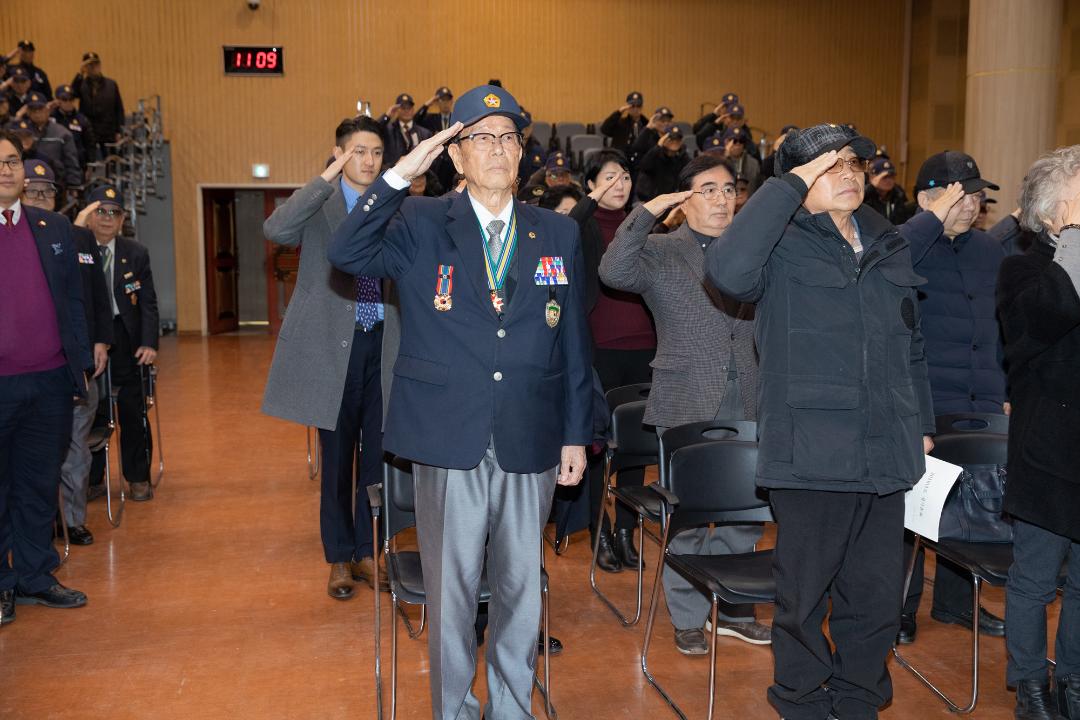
(252, 60)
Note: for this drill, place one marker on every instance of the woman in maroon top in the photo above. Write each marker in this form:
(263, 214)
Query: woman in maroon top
(623, 335)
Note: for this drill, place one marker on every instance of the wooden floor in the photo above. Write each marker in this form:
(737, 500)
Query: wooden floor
(210, 601)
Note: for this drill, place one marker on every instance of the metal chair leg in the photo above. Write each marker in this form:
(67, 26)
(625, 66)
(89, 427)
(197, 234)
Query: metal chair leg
(953, 706)
(150, 403)
(117, 517)
(649, 628)
(545, 686)
(712, 658)
(314, 455)
(378, 632)
(393, 658)
(414, 633)
(63, 524)
(626, 621)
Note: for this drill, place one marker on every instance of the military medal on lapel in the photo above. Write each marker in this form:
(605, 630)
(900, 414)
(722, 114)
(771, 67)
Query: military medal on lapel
(552, 311)
(444, 288)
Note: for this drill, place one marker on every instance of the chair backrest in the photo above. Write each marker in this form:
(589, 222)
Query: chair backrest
(972, 422)
(542, 132)
(690, 143)
(582, 143)
(696, 433)
(399, 502)
(627, 393)
(587, 155)
(715, 483)
(635, 444)
(972, 439)
(567, 130)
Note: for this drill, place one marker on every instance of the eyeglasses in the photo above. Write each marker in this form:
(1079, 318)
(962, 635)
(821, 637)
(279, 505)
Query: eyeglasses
(486, 141)
(47, 194)
(108, 212)
(712, 192)
(11, 164)
(857, 165)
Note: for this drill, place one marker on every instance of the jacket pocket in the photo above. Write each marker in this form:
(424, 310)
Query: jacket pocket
(907, 440)
(826, 427)
(294, 313)
(426, 371)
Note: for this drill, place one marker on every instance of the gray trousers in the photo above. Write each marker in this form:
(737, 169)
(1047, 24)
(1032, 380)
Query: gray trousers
(75, 472)
(690, 607)
(459, 515)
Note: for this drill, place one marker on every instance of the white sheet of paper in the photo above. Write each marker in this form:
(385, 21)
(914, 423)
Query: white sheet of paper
(924, 502)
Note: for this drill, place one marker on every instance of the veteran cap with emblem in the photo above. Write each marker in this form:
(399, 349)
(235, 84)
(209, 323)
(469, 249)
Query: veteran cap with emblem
(38, 171)
(27, 45)
(715, 142)
(444, 93)
(18, 73)
(882, 166)
(486, 100)
(947, 167)
(675, 133)
(36, 100)
(736, 133)
(90, 57)
(635, 99)
(404, 99)
(736, 111)
(729, 99)
(20, 127)
(106, 195)
(557, 162)
(64, 92)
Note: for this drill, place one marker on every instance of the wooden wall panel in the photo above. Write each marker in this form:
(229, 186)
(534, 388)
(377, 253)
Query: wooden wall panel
(800, 62)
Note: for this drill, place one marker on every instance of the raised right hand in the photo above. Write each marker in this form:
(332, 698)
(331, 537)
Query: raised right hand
(659, 204)
(814, 169)
(392, 113)
(943, 203)
(602, 186)
(85, 213)
(624, 109)
(340, 158)
(417, 162)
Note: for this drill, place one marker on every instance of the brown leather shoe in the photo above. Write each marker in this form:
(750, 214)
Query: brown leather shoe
(141, 491)
(364, 570)
(340, 586)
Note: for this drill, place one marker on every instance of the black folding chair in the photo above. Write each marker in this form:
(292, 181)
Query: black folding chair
(393, 501)
(967, 439)
(711, 482)
(100, 440)
(148, 374)
(632, 445)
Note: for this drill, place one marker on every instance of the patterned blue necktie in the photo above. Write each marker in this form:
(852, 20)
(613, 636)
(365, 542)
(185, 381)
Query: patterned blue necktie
(368, 298)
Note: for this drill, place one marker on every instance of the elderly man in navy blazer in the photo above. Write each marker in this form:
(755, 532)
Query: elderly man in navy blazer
(43, 350)
(491, 397)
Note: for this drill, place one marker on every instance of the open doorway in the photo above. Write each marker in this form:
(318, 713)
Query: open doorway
(249, 280)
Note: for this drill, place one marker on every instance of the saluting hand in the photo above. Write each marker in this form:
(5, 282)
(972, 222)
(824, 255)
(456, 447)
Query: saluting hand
(814, 169)
(603, 186)
(85, 213)
(571, 464)
(417, 162)
(340, 158)
(659, 204)
(624, 110)
(941, 205)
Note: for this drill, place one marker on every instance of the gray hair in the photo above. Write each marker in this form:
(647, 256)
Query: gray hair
(1043, 183)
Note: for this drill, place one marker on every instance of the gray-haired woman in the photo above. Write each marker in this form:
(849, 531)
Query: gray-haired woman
(1040, 315)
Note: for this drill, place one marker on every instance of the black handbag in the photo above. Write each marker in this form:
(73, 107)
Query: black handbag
(972, 511)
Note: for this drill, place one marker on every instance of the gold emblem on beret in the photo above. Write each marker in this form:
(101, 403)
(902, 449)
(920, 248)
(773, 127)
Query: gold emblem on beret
(492, 100)
(559, 162)
(39, 169)
(538, 191)
(110, 193)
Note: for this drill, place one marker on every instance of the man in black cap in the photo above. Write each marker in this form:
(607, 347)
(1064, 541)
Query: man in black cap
(402, 133)
(736, 140)
(844, 415)
(77, 124)
(492, 393)
(729, 113)
(16, 86)
(99, 99)
(623, 125)
(54, 141)
(24, 58)
(556, 173)
(884, 194)
(41, 192)
(659, 168)
(963, 341)
(659, 123)
(126, 265)
(436, 122)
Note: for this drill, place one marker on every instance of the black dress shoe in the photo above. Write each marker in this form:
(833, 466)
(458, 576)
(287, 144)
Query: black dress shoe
(605, 554)
(1034, 701)
(989, 624)
(57, 596)
(624, 548)
(79, 535)
(553, 645)
(7, 607)
(1068, 697)
(141, 492)
(906, 636)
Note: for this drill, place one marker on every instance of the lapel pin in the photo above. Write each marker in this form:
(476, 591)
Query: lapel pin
(123, 261)
(41, 223)
(531, 234)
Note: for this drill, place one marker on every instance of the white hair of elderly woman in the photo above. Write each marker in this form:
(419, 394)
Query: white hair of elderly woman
(1043, 186)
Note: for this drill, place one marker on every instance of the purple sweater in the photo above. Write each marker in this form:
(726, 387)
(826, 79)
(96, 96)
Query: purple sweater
(29, 334)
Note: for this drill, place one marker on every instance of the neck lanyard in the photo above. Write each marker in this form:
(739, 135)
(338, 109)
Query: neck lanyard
(497, 267)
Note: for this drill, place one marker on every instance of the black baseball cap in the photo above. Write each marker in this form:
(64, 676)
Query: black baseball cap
(444, 93)
(635, 99)
(27, 45)
(36, 99)
(64, 92)
(675, 133)
(90, 57)
(404, 99)
(664, 111)
(802, 146)
(947, 167)
(106, 195)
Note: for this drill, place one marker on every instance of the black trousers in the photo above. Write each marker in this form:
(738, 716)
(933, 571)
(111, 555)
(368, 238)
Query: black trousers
(952, 584)
(135, 439)
(846, 548)
(344, 512)
(615, 369)
(35, 429)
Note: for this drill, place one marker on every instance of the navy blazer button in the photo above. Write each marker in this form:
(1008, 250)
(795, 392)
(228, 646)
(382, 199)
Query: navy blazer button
(501, 333)
(497, 376)
(374, 197)
(366, 208)
(344, 343)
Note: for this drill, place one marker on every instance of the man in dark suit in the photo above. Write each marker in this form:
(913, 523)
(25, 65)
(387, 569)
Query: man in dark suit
(327, 369)
(43, 350)
(126, 265)
(40, 192)
(492, 387)
(402, 133)
(437, 122)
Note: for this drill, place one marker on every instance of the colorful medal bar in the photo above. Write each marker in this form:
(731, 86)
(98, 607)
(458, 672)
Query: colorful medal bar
(444, 288)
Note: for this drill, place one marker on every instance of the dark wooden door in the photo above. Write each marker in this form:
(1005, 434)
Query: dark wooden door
(219, 219)
(281, 266)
